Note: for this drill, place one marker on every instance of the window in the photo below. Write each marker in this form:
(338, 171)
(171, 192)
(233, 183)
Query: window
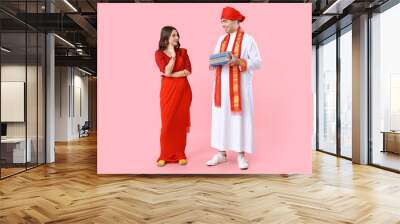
(385, 88)
(346, 74)
(327, 95)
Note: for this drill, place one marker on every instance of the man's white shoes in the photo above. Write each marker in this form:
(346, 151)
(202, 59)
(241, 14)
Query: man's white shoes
(216, 159)
(220, 158)
(242, 162)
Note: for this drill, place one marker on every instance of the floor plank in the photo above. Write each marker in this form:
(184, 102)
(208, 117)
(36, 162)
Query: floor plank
(70, 191)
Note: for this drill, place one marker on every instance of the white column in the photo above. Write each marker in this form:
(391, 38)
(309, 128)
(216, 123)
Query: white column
(360, 90)
(50, 92)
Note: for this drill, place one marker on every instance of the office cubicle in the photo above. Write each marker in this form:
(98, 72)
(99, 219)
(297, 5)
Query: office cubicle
(22, 89)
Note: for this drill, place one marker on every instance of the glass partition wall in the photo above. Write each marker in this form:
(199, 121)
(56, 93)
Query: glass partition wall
(334, 90)
(345, 65)
(22, 92)
(385, 89)
(327, 95)
(334, 93)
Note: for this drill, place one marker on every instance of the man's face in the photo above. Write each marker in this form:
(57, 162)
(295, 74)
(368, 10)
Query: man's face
(229, 25)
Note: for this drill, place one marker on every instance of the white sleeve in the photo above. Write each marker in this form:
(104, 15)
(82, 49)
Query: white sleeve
(253, 57)
(217, 46)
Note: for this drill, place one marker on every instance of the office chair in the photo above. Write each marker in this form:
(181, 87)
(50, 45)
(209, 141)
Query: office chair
(84, 130)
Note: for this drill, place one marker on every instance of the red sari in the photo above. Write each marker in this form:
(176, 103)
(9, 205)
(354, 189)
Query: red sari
(175, 100)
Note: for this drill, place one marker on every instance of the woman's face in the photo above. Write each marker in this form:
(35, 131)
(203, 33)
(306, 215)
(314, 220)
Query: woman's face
(174, 38)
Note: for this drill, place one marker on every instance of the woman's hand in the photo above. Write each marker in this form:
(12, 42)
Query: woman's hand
(181, 73)
(186, 72)
(171, 50)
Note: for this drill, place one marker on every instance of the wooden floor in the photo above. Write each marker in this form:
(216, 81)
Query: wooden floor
(387, 159)
(70, 191)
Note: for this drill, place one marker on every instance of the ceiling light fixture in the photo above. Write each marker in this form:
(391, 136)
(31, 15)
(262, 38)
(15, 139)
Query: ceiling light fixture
(337, 7)
(84, 71)
(64, 40)
(70, 5)
(5, 49)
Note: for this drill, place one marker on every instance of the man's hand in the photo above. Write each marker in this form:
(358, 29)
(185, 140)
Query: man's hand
(211, 67)
(234, 61)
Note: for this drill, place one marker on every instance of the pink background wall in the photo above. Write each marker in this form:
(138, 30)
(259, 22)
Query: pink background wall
(129, 85)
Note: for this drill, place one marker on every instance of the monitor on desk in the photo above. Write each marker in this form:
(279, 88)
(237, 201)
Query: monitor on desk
(3, 130)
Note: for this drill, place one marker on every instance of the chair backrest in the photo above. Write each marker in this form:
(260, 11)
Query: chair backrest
(86, 125)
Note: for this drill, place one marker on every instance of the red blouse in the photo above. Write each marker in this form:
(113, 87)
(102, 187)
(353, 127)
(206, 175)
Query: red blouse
(182, 60)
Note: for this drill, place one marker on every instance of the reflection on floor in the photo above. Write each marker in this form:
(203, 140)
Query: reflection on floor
(386, 159)
(11, 169)
(346, 152)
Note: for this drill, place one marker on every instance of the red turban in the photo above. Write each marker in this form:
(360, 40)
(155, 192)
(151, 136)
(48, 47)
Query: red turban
(231, 14)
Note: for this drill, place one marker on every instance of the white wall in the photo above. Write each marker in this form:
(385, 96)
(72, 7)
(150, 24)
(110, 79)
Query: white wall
(80, 85)
(16, 72)
(71, 87)
(34, 125)
(62, 80)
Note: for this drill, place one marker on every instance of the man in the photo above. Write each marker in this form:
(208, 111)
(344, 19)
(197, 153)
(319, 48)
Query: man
(232, 106)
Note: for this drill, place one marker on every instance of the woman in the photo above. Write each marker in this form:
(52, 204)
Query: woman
(175, 97)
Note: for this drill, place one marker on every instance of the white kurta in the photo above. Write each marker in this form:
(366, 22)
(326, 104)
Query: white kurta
(233, 131)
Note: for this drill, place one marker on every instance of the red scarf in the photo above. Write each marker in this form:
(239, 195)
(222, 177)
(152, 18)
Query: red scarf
(234, 74)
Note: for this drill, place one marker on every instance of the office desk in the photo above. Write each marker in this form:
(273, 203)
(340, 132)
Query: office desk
(13, 150)
(391, 141)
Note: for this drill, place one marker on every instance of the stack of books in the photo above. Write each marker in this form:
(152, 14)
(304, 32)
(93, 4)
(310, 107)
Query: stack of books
(220, 58)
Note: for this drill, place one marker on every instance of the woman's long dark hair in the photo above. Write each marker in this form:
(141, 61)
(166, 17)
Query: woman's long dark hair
(166, 32)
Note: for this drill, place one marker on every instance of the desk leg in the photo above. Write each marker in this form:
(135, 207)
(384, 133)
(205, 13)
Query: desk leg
(384, 143)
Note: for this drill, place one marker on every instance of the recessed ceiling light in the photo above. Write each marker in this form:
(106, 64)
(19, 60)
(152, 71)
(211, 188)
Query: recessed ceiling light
(5, 49)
